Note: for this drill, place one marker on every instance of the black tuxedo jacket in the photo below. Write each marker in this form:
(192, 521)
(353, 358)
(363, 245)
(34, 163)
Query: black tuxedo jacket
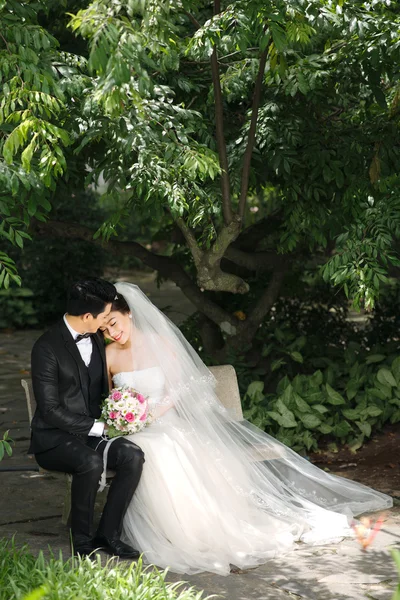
(59, 384)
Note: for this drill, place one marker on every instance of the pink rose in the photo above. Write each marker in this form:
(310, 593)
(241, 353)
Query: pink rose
(129, 417)
(143, 417)
(113, 415)
(116, 396)
(141, 398)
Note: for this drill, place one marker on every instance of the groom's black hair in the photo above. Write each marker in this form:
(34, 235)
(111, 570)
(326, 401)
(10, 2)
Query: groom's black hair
(90, 296)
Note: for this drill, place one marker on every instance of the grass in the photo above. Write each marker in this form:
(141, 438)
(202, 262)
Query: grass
(26, 577)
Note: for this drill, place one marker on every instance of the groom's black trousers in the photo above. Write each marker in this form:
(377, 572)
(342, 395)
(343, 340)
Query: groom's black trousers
(85, 462)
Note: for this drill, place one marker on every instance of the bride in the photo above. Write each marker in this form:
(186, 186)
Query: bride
(204, 502)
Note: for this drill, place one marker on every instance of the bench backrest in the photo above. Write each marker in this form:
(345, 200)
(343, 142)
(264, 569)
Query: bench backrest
(227, 391)
(30, 398)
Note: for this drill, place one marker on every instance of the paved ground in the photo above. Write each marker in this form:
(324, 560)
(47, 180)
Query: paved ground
(30, 508)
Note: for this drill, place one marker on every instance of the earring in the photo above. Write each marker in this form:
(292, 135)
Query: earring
(130, 316)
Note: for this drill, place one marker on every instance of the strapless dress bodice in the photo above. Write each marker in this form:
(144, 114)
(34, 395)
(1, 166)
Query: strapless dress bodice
(149, 382)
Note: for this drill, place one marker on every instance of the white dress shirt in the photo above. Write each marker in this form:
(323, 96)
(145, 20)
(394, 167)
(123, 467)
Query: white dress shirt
(85, 347)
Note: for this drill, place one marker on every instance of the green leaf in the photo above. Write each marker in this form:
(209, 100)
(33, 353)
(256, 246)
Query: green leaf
(333, 396)
(301, 404)
(374, 358)
(364, 427)
(320, 408)
(18, 240)
(316, 379)
(342, 429)
(351, 413)
(310, 421)
(278, 36)
(325, 428)
(396, 368)
(385, 389)
(277, 364)
(379, 96)
(287, 417)
(274, 415)
(296, 356)
(372, 410)
(265, 41)
(314, 397)
(255, 388)
(380, 393)
(287, 395)
(309, 440)
(356, 444)
(385, 377)
(352, 388)
(32, 205)
(288, 420)
(7, 447)
(282, 385)
(27, 154)
(1, 450)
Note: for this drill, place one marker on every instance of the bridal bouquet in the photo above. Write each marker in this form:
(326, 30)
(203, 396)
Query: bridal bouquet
(125, 411)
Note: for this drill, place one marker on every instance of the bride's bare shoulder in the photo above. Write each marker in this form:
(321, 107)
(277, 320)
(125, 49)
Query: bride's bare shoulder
(110, 349)
(111, 353)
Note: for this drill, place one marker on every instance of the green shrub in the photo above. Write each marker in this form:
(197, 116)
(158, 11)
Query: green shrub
(25, 577)
(48, 265)
(17, 308)
(310, 341)
(343, 401)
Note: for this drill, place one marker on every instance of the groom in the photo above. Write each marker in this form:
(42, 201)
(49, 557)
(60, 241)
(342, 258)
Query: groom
(69, 378)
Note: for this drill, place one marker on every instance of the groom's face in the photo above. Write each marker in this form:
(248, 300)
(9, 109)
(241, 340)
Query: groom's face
(92, 324)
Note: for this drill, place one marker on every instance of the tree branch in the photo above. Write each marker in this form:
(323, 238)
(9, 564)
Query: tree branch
(257, 261)
(249, 327)
(219, 132)
(226, 236)
(209, 273)
(165, 265)
(191, 241)
(252, 134)
(252, 236)
(192, 19)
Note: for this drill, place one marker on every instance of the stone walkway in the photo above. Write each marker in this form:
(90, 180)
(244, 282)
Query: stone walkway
(30, 508)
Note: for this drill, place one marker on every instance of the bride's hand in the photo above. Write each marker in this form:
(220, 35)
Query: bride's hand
(163, 407)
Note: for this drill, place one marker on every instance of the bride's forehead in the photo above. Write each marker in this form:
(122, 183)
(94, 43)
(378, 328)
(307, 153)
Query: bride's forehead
(116, 314)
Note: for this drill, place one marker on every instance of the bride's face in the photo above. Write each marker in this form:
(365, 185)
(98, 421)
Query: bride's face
(117, 327)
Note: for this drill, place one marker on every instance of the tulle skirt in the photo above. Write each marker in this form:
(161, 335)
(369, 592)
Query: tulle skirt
(194, 511)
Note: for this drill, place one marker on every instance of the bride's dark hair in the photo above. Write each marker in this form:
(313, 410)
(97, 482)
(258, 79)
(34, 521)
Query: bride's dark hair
(120, 305)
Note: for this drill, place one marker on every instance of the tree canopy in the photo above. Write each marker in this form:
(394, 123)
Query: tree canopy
(258, 134)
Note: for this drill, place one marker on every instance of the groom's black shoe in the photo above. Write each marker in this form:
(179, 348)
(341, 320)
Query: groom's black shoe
(84, 549)
(115, 547)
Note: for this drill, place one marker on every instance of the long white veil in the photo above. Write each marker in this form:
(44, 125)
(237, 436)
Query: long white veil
(287, 485)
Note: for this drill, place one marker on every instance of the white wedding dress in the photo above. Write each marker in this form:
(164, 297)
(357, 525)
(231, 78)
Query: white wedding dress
(186, 515)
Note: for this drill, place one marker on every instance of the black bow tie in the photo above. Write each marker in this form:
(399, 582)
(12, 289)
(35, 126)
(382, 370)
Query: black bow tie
(82, 336)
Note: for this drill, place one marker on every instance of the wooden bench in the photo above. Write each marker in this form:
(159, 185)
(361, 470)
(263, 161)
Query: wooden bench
(228, 393)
